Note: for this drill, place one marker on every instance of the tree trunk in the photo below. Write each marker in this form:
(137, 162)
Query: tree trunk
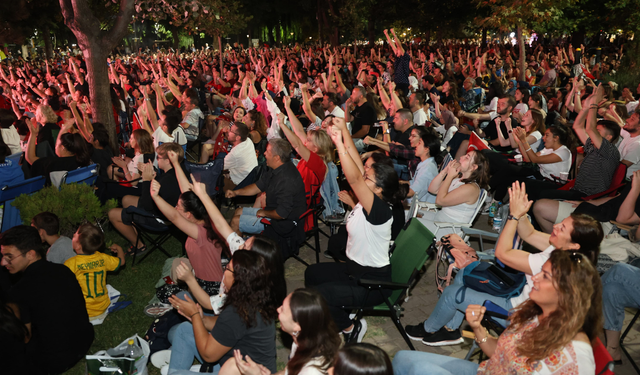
(176, 38)
(371, 27)
(522, 62)
(96, 59)
(46, 35)
(96, 44)
(484, 36)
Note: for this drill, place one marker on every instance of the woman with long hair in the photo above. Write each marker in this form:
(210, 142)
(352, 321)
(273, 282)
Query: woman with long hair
(362, 359)
(264, 246)
(142, 144)
(577, 233)
(369, 234)
(257, 124)
(522, 98)
(550, 333)
(549, 163)
(305, 316)
(246, 320)
(205, 249)
(457, 190)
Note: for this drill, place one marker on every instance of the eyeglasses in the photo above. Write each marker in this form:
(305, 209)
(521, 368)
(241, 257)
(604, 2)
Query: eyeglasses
(226, 268)
(368, 178)
(10, 259)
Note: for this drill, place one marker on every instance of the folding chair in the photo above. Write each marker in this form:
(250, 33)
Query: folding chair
(616, 183)
(604, 361)
(85, 175)
(455, 227)
(11, 215)
(624, 335)
(153, 237)
(489, 322)
(410, 252)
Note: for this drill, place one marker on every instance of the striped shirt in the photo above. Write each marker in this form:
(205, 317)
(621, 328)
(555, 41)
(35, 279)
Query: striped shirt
(596, 171)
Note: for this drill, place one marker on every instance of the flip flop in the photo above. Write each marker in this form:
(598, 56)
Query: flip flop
(135, 250)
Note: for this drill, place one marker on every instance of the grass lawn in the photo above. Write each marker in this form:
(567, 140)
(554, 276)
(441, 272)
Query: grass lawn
(137, 283)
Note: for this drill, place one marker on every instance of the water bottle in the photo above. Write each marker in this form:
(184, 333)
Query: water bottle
(492, 212)
(133, 350)
(497, 220)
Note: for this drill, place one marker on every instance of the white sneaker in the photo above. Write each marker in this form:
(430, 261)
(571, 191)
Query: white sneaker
(195, 368)
(164, 370)
(161, 358)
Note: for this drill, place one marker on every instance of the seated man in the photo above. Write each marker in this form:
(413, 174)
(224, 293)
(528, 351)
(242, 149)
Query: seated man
(48, 227)
(241, 160)
(399, 135)
(192, 117)
(285, 194)
(121, 218)
(51, 304)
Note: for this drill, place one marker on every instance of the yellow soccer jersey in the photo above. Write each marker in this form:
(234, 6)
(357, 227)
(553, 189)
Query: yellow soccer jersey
(91, 272)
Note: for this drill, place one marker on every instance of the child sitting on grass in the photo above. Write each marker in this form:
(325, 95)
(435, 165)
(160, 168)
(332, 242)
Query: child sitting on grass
(90, 266)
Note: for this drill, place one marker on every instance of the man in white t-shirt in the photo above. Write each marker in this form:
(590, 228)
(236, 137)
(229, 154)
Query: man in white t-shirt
(416, 101)
(630, 146)
(241, 160)
(192, 118)
(331, 105)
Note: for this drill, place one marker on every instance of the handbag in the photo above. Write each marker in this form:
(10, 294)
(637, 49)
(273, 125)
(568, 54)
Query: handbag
(492, 278)
(453, 254)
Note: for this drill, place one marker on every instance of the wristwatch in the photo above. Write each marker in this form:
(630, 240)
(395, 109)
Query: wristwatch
(388, 131)
(511, 217)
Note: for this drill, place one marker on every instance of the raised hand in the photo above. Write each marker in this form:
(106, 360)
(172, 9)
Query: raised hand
(519, 203)
(474, 315)
(155, 188)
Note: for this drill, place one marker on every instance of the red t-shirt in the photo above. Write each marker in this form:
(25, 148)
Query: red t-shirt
(312, 172)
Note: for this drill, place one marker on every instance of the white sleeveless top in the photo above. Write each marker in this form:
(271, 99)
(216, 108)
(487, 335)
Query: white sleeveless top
(460, 213)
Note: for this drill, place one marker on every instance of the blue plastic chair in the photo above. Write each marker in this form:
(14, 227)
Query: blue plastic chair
(85, 175)
(11, 215)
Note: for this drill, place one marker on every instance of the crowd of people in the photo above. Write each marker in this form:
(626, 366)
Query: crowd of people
(301, 128)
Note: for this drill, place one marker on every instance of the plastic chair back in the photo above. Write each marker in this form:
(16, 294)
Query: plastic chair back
(409, 256)
(85, 175)
(11, 215)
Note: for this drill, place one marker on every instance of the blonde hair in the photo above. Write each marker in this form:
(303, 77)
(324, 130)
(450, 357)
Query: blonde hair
(325, 146)
(46, 112)
(579, 308)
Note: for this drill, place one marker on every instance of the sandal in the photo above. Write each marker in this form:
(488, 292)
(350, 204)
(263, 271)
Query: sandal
(137, 250)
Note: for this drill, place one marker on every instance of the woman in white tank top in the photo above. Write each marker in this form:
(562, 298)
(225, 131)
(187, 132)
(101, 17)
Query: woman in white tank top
(457, 190)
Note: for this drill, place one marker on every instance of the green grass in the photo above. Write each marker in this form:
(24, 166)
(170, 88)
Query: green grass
(137, 283)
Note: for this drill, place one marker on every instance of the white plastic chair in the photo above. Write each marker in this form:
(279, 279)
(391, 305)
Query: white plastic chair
(454, 227)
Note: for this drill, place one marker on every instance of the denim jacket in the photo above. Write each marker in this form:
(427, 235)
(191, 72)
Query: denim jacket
(329, 191)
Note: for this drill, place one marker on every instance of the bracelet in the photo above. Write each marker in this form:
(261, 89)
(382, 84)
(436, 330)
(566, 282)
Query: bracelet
(486, 337)
(199, 314)
(527, 150)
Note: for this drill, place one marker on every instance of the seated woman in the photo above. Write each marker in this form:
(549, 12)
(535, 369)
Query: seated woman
(257, 124)
(457, 190)
(427, 148)
(260, 244)
(142, 144)
(552, 161)
(369, 228)
(246, 322)
(314, 147)
(71, 153)
(204, 247)
(360, 359)
(578, 233)
(551, 333)
(305, 316)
